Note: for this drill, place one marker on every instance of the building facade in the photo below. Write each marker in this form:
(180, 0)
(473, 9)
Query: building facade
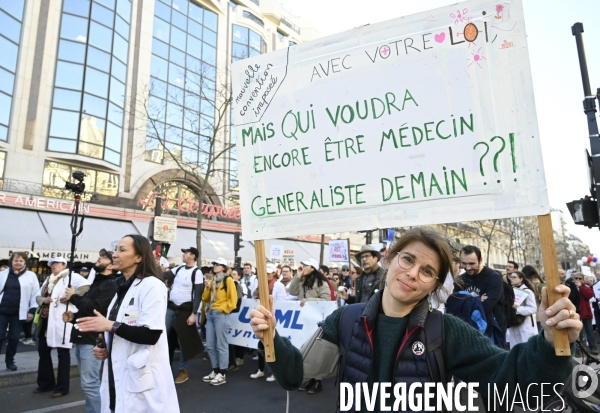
(129, 92)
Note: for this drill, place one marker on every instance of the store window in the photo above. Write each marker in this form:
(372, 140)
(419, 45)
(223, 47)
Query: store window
(11, 19)
(91, 74)
(177, 199)
(183, 82)
(56, 174)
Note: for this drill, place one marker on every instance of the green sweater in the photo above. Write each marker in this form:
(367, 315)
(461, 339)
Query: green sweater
(469, 355)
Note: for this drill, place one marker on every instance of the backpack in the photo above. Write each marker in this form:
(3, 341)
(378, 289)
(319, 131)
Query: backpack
(512, 318)
(193, 279)
(240, 293)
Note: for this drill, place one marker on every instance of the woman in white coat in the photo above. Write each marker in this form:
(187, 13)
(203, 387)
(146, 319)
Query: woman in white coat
(137, 374)
(528, 328)
(52, 331)
(18, 289)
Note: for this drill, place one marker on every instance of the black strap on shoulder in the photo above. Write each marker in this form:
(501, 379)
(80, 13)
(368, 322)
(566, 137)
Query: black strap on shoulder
(436, 343)
(193, 279)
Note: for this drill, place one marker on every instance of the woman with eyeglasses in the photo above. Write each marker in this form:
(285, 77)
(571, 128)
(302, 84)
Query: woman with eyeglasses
(527, 328)
(396, 337)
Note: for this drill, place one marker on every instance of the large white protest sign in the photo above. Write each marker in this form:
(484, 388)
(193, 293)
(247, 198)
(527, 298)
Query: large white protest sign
(423, 119)
(338, 250)
(293, 321)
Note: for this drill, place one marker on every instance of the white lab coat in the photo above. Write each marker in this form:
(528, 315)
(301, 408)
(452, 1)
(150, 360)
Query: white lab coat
(56, 327)
(280, 292)
(30, 287)
(527, 329)
(143, 378)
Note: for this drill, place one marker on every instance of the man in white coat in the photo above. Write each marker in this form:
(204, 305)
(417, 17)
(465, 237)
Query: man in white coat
(53, 332)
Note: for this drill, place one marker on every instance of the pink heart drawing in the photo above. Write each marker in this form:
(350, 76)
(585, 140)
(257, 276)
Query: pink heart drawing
(440, 37)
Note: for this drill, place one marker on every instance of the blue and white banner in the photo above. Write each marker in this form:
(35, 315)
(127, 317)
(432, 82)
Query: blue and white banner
(293, 321)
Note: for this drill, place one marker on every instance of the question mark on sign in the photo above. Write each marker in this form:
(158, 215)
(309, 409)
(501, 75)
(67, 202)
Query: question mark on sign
(499, 152)
(487, 149)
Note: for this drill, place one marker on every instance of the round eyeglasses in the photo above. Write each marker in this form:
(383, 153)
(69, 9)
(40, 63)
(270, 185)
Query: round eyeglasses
(407, 261)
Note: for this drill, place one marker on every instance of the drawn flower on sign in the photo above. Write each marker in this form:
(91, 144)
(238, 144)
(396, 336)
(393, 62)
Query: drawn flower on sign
(499, 8)
(476, 57)
(460, 17)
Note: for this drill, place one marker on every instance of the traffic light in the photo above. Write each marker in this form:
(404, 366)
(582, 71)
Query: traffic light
(584, 212)
(238, 262)
(237, 242)
(164, 249)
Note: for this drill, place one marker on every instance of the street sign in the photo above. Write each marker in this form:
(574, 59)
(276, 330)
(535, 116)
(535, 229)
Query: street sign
(165, 229)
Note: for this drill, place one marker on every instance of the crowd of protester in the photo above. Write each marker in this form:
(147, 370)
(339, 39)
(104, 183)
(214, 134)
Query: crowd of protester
(130, 297)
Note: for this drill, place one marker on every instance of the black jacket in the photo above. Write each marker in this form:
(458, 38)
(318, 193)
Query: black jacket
(366, 285)
(97, 298)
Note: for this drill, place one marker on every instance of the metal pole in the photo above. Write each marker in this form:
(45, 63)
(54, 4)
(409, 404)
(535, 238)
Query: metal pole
(589, 108)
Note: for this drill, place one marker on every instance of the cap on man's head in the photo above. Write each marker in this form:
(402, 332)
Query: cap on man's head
(193, 250)
(369, 249)
(345, 267)
(220, 261)
(106, 253)
(85, 269)
(57, 259)
(271, 268)
(311, 262)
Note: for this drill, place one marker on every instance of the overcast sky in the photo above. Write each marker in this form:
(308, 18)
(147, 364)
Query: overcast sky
(555, 71)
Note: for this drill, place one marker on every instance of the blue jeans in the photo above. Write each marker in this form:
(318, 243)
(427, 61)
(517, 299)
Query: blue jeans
(89, 370)
(589, 332)
(217, 346)
(14, 326)
(169, 320)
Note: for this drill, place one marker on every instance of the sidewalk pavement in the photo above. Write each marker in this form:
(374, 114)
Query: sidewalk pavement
(27, 364)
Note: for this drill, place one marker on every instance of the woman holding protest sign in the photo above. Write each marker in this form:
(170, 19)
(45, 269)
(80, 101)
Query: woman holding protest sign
(526, 310)
(391, 329)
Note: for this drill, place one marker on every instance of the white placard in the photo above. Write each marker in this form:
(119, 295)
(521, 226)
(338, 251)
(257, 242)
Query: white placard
(165, 229)
(276, 253)
(338, 250)
(293, 321)
(423, 119)
(288, 257)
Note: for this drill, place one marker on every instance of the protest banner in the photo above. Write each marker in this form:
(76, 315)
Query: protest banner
(293, 321)
(339, 250)
(431, 117)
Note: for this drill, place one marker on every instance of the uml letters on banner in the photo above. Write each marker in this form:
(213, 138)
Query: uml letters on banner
(424, 119)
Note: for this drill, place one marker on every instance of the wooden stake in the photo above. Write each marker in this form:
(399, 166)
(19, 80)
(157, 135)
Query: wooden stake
(561, 338)
(263, 293)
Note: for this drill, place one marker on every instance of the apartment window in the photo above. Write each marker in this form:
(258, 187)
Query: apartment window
(91, 73)
(256, 2)
(292, 43)
(290, 25)
(56, 174)
(183, 88)
(11, 19)
(252, 17)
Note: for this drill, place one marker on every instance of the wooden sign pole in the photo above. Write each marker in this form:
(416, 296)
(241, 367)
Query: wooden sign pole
(263, 293)
(561, 338)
